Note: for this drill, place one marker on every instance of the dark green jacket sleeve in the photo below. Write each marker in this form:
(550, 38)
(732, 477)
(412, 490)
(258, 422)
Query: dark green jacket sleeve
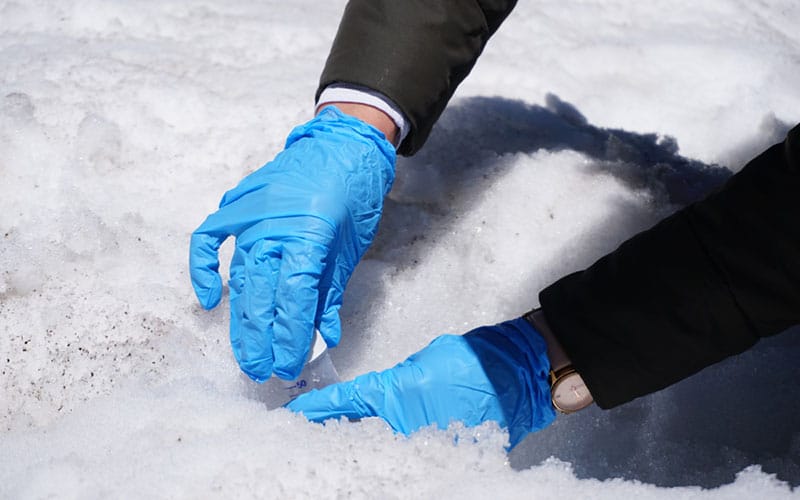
(415, 52)
(704, 284)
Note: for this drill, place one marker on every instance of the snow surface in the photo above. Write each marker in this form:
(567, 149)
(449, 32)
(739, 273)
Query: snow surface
(122, 123)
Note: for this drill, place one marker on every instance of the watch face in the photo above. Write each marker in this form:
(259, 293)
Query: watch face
(571, 394)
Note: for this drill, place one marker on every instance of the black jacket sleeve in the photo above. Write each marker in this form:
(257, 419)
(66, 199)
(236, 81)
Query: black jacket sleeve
(704, 284)
(415, 52)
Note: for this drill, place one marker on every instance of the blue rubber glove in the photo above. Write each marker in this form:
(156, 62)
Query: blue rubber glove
(495, 373)
(301, 223)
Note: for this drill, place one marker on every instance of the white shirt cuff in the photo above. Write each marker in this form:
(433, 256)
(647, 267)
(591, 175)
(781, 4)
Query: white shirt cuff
(362, 95)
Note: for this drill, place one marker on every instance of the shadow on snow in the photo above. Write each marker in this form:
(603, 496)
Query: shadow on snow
(701, 431)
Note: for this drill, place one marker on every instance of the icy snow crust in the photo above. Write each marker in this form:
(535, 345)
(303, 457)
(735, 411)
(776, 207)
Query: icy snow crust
(122, 123)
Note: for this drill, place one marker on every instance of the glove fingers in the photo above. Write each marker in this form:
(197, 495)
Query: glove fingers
(345, 399)
(332, 287)
(330, 325)
(296, 299)
(204, 266)
(205, 243)
(254, 275)
(390, 395)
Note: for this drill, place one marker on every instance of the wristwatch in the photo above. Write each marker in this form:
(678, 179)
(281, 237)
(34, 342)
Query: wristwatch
(567, 389)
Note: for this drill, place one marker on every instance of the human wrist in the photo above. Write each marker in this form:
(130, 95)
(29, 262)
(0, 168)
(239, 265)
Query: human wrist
(568, 389)
(368, 114)
(555, 352)
(358, 94)
(513, 357)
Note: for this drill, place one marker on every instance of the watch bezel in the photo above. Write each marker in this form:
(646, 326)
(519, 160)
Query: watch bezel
(558, 377)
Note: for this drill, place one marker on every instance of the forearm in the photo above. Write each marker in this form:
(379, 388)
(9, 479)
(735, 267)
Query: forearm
(415, 53)
(704, 284)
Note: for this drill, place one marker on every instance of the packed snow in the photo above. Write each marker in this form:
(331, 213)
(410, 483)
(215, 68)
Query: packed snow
(122, 123)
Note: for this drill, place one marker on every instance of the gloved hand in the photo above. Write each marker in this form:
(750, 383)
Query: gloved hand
(301, 223)
(495, 373)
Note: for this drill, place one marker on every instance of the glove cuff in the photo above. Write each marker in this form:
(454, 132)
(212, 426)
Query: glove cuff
(522, 384)
(533, 348)
(331, 119)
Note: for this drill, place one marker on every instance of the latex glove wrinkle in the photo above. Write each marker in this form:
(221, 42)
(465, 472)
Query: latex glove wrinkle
(497, 373)
(302, 223)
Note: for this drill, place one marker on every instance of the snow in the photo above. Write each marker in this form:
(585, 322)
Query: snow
(122, 123)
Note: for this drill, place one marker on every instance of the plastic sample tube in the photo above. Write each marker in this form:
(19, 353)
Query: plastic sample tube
(317, 373)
